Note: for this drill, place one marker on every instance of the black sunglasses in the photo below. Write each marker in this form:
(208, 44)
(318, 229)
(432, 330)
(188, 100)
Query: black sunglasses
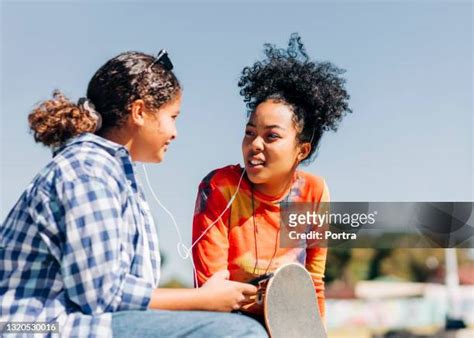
(163, 59)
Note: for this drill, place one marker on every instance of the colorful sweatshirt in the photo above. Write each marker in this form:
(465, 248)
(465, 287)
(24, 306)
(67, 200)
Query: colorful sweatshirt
(245, 241)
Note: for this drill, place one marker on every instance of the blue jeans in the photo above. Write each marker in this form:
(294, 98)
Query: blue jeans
(159, 323)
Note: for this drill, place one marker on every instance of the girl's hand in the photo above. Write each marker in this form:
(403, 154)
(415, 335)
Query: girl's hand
(220, 294)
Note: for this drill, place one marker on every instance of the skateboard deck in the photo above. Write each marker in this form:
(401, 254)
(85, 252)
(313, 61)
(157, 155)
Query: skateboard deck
(290, 304)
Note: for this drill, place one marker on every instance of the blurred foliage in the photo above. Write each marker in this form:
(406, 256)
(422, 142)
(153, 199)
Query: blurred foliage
(353, 265)
(415, 265)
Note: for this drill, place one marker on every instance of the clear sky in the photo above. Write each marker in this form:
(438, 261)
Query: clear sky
(409, 73)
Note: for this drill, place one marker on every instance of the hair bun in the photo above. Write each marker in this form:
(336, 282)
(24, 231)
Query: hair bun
(55, 121)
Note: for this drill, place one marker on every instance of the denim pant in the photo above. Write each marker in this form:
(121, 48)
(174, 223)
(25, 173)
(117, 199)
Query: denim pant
(159, 323)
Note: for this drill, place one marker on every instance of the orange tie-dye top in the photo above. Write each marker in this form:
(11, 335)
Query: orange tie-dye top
(245, 246)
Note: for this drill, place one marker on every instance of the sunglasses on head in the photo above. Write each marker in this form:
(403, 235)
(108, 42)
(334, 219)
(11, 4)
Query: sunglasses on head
(163, 59)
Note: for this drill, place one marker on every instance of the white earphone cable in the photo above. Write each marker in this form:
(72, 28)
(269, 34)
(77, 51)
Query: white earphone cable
(183, 251)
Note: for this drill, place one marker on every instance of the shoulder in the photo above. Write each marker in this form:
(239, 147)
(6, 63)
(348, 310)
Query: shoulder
(312, 187)
(311, 179)
(81, 162)
(87, 160)
(218, 186)
(82, 167)
(222, 177)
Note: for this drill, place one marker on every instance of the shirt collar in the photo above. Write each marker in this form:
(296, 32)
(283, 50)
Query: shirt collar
(111, 147)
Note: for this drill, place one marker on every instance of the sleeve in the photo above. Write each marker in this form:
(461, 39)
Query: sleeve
(316, 264)
(210, 233)
(94, 263)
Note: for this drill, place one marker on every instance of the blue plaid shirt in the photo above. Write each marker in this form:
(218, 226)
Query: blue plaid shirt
(80, 242)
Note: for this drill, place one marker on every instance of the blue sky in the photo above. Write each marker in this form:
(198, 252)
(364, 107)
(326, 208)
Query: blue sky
(409, 73)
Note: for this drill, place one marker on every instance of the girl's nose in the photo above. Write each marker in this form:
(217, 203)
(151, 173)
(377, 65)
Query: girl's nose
(257, 144)
(174, 134)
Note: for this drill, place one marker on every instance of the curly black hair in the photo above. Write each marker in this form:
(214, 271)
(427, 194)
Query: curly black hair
(314, 90)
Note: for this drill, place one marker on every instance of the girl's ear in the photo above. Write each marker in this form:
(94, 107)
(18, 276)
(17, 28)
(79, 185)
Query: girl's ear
(305, 149)
(137, 113)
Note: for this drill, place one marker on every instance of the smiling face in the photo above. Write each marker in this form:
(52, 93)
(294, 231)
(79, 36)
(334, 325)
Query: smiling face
(270, 147)
(154, 131)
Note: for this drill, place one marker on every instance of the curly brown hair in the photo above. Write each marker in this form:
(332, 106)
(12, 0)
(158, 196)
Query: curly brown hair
(114, 87)
(314, 90)
(54, 121)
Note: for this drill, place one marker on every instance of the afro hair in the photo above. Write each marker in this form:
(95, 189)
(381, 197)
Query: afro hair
(314, 90)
